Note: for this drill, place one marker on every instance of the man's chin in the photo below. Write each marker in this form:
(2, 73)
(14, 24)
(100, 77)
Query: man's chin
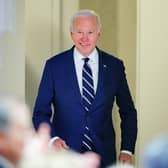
(85, 52)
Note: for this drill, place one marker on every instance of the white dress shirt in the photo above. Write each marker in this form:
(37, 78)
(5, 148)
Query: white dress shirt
(93, 63)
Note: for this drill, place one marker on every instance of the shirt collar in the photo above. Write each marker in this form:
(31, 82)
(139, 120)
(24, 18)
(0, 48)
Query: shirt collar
(93, 57)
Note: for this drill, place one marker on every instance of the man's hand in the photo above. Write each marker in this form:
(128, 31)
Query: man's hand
(125, 158)
(59, 144)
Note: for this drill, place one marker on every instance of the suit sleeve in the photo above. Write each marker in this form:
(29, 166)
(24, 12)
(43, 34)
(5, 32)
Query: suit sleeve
(128, 114)
(42, 110)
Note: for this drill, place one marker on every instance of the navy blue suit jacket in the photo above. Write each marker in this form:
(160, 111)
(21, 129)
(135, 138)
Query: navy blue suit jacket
(59, 86)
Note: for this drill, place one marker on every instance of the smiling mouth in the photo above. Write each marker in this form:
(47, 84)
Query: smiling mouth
(84, 45)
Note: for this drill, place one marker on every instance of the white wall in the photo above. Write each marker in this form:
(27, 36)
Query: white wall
(126, 39)
(12, 51)
(152, 69)
(38, 43)
(126, 49)
(47, 33)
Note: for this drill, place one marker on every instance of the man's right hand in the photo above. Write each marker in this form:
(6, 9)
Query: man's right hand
(59, 144)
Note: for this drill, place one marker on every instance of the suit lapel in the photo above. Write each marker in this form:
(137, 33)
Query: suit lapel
(101, 78)
(72, 76)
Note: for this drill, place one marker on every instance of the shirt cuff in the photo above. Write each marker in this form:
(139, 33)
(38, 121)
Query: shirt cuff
(52, 141)
(127, 152)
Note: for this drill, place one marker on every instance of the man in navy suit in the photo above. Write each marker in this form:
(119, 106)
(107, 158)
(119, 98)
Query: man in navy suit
(62, 87)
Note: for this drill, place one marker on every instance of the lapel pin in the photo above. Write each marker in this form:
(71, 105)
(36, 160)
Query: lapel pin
(105, 66)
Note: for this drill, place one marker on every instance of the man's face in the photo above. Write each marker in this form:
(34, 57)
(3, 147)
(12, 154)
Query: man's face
(85, 34)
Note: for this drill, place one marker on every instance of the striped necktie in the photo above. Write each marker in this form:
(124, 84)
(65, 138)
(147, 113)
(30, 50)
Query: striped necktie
(87, 99)
(87, 85)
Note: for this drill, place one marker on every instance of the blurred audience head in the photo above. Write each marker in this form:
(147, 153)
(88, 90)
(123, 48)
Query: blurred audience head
(62, 159)
(14, 124)
(156, 153)
(121, 166)
(23, 148)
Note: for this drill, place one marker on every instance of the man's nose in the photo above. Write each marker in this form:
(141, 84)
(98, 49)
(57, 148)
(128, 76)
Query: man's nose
(85, 37)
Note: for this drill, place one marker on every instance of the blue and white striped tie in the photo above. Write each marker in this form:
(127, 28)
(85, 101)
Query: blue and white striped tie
(87, 99)
(87, 85)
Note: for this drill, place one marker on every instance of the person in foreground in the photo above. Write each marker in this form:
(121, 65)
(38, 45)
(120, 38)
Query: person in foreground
(155, 154)
(14, 127)
(121, 165)
(21, 147)
(82, 83)
(38, 154)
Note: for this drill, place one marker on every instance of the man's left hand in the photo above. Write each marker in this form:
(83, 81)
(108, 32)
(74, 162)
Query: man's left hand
(125, 158)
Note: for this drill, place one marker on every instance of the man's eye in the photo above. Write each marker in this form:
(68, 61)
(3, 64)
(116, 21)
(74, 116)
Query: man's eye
(90, 32)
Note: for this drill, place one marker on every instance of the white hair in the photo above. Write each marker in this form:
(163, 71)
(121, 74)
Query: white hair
(85, 13)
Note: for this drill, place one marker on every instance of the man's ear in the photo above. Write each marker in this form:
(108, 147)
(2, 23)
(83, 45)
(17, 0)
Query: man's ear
(71, 33)
(99, 34)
